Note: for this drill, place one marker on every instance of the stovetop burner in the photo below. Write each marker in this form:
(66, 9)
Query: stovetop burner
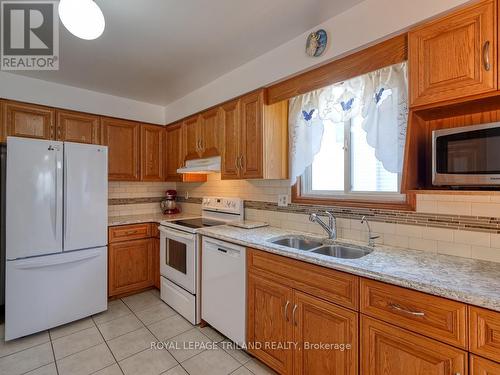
(198, 222)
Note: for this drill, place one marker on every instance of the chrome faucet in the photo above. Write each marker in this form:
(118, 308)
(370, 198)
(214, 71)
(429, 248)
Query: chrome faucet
(371, 238)
(330, 228)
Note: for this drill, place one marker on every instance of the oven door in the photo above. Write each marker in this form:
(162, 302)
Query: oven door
(178, 257)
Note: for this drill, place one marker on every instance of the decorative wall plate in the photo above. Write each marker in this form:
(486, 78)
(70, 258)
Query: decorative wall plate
(316, 43)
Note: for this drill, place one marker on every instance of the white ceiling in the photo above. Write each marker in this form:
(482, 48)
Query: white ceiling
(158, 51)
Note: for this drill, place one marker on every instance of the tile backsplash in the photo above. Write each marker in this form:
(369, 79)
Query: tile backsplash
(130, 198)
(438, 225)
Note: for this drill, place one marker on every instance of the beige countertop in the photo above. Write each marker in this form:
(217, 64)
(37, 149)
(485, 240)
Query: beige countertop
(466, 280)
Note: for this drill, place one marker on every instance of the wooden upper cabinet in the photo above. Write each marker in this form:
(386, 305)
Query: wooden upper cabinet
(191, 138)
(78, 127)
(454, 56)
(27, 120)
(152, 153)
(230, 120)
(210, 132)
(251, 162)
(269, 312)
(254, 138)
(318, 322)
(174, 154)
(387, 350)
(122, 138)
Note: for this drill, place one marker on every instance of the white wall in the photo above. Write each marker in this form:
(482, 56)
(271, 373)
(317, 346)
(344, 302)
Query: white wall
(364, 24)
(17, 87)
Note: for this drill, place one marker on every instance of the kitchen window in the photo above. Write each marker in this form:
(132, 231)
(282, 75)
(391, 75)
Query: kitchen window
(347, 140)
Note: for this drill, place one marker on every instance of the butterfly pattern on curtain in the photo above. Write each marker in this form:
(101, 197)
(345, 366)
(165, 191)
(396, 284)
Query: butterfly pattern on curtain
(380, 97)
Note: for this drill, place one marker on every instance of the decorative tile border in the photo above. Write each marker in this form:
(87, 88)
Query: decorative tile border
(460, 222)
(125, 201)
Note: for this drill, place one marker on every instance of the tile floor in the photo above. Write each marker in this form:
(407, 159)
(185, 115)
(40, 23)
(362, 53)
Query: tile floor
(118, 341)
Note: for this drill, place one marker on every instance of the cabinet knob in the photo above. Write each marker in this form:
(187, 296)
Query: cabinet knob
(293, 315)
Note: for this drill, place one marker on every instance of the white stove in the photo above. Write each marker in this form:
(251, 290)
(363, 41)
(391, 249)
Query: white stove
(180, 249)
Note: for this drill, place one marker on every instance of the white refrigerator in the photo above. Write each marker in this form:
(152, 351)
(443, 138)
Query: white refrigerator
(56, 234)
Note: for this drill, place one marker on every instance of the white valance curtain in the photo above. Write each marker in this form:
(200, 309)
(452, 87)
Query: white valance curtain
(380, 97)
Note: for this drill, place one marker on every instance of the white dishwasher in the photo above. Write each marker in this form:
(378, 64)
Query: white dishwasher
(223, 288)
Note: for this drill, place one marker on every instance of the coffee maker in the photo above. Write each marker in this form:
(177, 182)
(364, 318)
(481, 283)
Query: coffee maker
(168, 204)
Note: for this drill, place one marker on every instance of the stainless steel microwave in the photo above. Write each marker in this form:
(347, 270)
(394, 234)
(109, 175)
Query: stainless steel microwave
(466, 156)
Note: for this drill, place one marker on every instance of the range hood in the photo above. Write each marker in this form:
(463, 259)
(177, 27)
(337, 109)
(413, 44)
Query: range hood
(201, 166)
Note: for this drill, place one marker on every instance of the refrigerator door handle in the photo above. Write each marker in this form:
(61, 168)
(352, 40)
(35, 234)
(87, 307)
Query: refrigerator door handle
(59, 191)
(47, 261)
(54, 199)
(66, 200)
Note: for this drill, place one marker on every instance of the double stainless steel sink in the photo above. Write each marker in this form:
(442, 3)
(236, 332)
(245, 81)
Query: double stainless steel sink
(335, 249)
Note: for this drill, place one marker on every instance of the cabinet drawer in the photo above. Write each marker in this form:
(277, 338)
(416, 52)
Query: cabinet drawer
(484, 326)
(431, 316)
(481, 366)
(389, 350)
(129, 232)
(338, 287)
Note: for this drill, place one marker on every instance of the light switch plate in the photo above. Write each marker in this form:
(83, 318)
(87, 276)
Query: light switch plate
(282, 200)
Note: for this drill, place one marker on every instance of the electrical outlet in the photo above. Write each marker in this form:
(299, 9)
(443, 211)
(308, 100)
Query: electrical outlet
(282, 200)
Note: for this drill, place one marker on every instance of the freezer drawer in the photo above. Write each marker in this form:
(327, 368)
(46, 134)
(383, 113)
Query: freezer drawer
(48, 291)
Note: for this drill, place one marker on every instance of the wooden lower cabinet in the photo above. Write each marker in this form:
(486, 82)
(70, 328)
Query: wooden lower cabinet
(388, 350)
(268, 326)
(481, 366)
(326, 335)
(296, 333)
(130, 266)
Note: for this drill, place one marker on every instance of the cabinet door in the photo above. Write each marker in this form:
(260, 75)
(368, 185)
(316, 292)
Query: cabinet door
(317, 322)
(268, 322)
(455, 56)
(481, 366)
(191, 130)
(251, 135)
(78, 127)
(387, 350)
(230, 119)
(210, 133)
(28, 120)
(130, 266)
(122, 139)
(174, 153)
(152, 153)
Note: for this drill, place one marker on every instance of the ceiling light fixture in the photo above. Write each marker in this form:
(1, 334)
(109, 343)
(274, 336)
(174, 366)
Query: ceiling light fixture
(82, 18)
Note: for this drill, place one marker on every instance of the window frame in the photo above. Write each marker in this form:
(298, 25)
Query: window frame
(347, 192)
(382, 200)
